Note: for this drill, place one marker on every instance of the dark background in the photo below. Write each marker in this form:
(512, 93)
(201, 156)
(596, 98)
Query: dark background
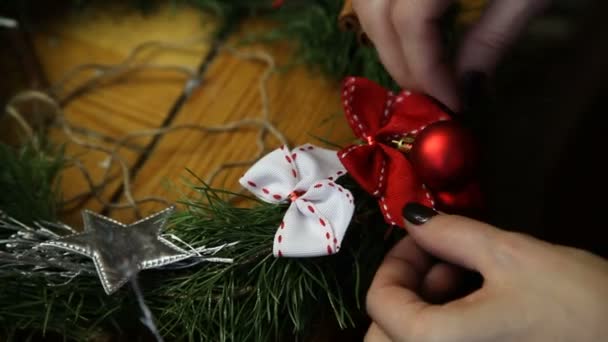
(544, 143)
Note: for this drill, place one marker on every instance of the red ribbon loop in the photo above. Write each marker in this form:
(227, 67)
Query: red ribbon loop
(377, 116)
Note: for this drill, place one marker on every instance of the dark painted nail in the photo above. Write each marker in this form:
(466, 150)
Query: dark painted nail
(473, 89)
(417, 213)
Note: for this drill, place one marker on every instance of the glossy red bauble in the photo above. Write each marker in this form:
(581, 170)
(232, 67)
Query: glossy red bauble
(444, 155)
(468, 199)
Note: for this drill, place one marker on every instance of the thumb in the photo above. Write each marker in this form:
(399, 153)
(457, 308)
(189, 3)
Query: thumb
(497, 29)
(455, 239)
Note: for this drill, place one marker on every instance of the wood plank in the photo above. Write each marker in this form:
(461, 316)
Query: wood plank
(106, 34)
(119, 28)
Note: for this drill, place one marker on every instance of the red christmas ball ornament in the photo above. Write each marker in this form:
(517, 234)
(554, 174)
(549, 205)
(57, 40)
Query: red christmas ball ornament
(444, 155)
(467, 199)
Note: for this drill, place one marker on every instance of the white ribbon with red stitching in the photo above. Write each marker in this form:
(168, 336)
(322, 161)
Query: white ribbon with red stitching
(320, 210)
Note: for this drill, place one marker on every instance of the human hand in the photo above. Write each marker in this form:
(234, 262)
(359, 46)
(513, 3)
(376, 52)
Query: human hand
(406, 35)
(532, 290)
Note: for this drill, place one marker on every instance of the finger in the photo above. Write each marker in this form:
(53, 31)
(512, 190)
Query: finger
(442, 282)
(392, 298)
(374, 17)
(404, 265)
(397, 309)
(416, 24)
(455, 239)
(375, 334)
(496, 30)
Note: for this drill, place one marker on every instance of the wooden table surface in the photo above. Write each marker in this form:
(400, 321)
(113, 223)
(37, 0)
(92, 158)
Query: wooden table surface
(302, 103)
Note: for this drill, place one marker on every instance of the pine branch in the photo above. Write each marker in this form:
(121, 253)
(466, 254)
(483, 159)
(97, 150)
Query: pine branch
(46, 290)
(258, 297)
(28, 181)
(313, 26)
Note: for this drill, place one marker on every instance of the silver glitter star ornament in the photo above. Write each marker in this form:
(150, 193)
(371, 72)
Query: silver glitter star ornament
(119, 251)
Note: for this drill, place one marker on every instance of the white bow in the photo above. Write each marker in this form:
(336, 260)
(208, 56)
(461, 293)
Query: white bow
(320, 210)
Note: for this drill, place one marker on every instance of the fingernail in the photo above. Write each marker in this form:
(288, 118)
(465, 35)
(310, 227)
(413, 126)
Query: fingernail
(418, 214)
(473, 89)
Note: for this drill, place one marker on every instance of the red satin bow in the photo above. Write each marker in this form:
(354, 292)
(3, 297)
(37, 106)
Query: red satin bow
(378, 117)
